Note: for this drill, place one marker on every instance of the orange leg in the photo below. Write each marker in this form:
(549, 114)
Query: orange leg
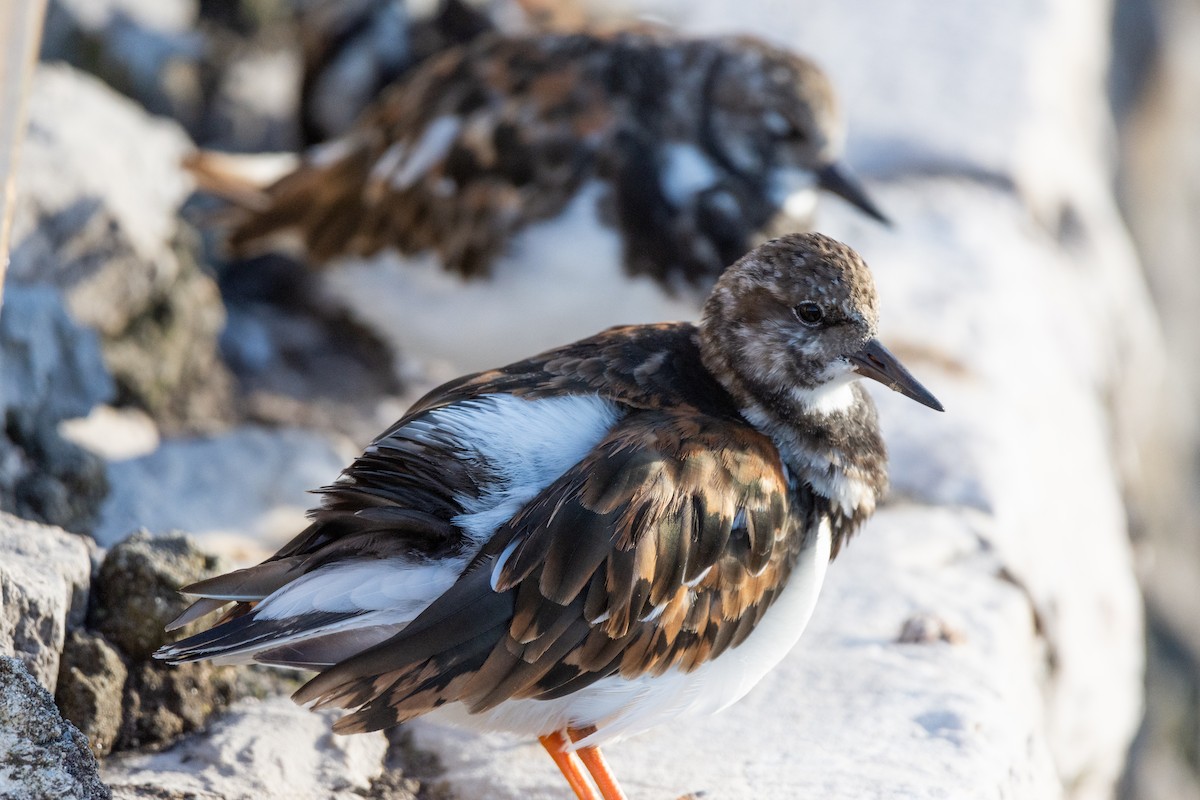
(568, 762)
(597, 765)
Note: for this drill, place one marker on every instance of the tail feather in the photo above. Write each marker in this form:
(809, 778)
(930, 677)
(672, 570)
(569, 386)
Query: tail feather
(201, 608)
(241, 638)
(277, 195)
(239, 178)
(252, 583)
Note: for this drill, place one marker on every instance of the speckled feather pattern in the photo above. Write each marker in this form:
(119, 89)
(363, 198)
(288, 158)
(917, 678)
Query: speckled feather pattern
(481, 141)
(684, 485)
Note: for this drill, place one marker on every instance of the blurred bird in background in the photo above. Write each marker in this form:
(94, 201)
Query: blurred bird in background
(521, 190)
(352, 49)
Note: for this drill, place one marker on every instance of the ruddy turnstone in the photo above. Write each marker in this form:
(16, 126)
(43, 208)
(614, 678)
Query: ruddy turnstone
(522, 191)
(597, 539)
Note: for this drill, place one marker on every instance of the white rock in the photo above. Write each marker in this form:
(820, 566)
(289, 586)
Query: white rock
(113, 433)
(261, 750)
(63, 165)
(237, 493)
(44, 577)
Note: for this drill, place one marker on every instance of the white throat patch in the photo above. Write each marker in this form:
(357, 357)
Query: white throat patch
(831, 398)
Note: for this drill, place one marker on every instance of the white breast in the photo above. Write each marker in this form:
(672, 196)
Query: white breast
(562, 280)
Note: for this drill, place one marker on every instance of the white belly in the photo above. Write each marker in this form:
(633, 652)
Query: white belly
(620, 708)
(563, 280)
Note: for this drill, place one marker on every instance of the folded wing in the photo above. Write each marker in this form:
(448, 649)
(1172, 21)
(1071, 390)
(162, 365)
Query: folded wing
(658, 551)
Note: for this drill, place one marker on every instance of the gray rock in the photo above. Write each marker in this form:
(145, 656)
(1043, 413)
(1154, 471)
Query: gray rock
(101, 224)
(51, 369)
(253, 107)
(50, 363)
(51, 479)
(260, 750)
(137, 590)
(135, 597)
(163, 702)
(44, 576)
(202, 64)
(1160, 192)
(241, 482)
(91, 683)
(146, 50)
(42, 756)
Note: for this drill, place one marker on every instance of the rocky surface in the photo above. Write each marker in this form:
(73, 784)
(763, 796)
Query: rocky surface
(261, 749)
(147, 50)
(162, 702)
(50, 370)
(135, 597)
(136, 593)
(44, 576)
(202, 64)
(101, 224)
(300, 357)
(241, 494)
(42, 757)
(49, 362)
(91, 682)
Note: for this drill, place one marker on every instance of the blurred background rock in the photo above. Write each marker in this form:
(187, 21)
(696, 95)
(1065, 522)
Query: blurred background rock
(138, 370)
(1155, 93)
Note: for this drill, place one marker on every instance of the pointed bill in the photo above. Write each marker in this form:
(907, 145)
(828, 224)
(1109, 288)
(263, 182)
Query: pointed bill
(876, 362)
(837, 178)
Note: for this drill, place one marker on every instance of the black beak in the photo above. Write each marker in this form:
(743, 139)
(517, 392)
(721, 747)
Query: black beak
(837, 178)
(874, 361)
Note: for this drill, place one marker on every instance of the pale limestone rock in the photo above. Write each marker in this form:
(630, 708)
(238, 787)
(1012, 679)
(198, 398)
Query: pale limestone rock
(261, 750)
(44, 576)
(99, 188)
(65, 165)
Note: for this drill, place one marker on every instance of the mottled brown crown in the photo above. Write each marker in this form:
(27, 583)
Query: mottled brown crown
(752, 338)
(773, 104)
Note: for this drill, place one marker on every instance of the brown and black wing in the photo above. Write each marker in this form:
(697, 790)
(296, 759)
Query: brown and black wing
(401, 495)
(641, 366)
(659, 550)
(475, 143)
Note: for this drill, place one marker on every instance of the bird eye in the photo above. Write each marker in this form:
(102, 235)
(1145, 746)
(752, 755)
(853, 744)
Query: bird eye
(809, 313)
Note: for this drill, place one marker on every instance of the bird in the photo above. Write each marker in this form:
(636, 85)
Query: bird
(653, 159)
(352, 49)
(590, 542)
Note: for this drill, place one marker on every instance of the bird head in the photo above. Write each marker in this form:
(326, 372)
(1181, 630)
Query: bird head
(774, 110)
(794, 322)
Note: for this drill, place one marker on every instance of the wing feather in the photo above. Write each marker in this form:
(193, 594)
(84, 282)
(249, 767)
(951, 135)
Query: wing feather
(591, 578)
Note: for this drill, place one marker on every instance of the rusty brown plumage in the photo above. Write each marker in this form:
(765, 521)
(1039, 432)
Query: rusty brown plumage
(481, 141)
(574, 541)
